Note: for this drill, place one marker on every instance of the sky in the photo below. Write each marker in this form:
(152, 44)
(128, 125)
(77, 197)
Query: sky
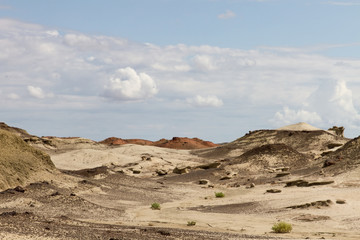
(152, 69)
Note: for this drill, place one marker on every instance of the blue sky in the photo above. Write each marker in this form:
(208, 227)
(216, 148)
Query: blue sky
(203, 68)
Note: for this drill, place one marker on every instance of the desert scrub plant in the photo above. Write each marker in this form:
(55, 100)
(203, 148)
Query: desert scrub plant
(219, 194)
(191, 223)
(155, 206)
(282, 227)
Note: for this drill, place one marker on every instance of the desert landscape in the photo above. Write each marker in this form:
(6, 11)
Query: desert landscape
(183, 188)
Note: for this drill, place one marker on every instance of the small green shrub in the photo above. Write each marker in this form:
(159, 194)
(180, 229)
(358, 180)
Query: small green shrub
(155, 206)
(282, 227)
(219, 194)
(191, 223)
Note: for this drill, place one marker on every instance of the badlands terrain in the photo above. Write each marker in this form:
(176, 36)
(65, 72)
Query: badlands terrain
(76, 188)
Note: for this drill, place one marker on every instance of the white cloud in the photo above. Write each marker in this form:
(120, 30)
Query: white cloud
(208, 101)
(289, 116)
(127, 84)
(204, 63)
(331, 104)
(226, 15)
(77, 68)
(343, 98)
(37, 92)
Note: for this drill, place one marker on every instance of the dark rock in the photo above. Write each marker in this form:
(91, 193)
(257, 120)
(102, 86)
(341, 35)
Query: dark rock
(317, 204)
(319, 183)
(136, 171)
(55, 194)
(5, 214)
(209, 165)
(181, 170)
(340, 201)
(19, 189)
(273, 191)
(303, 183)
(203, 181)
(282, 174)
(328, 163)
(339, 131)
(161, 172)
(164, 233)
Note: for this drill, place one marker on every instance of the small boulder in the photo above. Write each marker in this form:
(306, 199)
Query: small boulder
(181, 170)
(340, 201)
(136, 171)
(161, 172)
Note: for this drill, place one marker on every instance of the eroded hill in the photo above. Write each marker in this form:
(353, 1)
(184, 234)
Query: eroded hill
(19, 162)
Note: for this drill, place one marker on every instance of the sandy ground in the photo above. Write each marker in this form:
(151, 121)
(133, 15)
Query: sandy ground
(104, 192)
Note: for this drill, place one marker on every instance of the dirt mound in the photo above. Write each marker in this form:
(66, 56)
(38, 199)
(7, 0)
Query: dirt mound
(313, 143)
(184, 143)
(19, 162)
(272, 156)
(175, 142)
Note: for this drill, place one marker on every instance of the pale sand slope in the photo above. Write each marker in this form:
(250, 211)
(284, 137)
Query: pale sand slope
(131, 155)
(302, 126)
(255, 212)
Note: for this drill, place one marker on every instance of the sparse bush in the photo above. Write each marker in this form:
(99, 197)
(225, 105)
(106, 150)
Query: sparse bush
(282, 227)
(219, 195)
(155, 206)
(191, 223)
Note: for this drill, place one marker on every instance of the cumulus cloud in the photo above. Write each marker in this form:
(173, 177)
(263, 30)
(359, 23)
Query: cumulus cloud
(343, 98)
(204, 63)
(208, 101)
(289, 116)
(127, 84)
(36, 61)
(332, 103)
(226, 15)
(36, 92)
